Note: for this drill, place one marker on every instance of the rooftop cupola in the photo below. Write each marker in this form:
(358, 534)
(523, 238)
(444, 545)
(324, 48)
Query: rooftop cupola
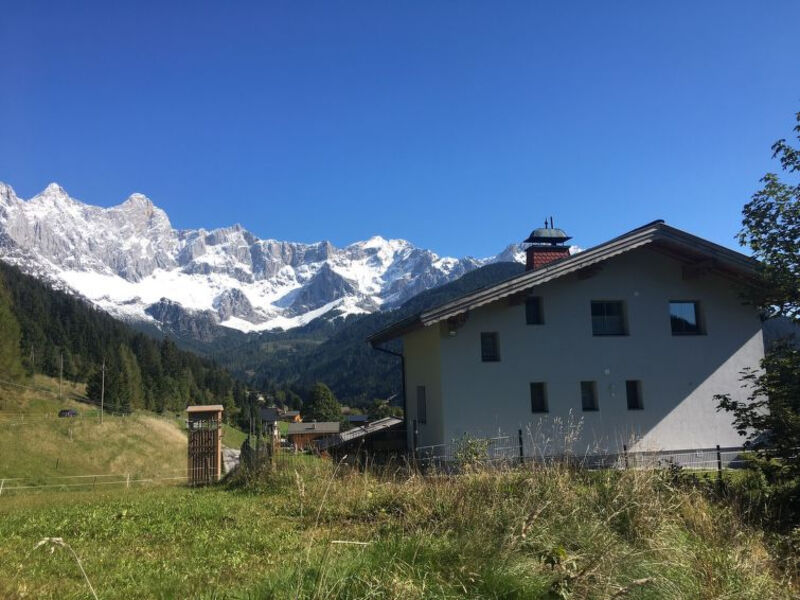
(545, 245)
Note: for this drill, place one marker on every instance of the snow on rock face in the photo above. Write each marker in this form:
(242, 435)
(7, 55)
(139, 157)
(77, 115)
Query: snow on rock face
(233, 303)
(129, 260)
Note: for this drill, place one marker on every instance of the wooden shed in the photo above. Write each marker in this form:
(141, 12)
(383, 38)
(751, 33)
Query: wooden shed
(205, 443)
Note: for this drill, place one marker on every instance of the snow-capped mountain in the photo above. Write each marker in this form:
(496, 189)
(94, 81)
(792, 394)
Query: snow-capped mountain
(131, 262)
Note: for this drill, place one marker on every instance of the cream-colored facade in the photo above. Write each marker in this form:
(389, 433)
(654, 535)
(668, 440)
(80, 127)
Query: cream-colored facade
(679, 374)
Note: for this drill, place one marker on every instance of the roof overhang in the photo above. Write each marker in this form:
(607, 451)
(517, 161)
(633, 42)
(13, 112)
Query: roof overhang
(688, 248)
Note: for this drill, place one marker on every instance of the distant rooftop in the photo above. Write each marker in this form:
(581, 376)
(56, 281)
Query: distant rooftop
(205, 408)
(324, 427)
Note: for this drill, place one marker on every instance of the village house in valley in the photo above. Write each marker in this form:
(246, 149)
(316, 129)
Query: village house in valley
(631, 338)
(303, 435)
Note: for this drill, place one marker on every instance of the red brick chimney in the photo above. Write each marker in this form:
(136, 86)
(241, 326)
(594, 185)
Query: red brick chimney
(546, 246)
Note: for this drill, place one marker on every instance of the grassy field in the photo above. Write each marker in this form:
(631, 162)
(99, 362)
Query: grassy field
(322, 531)
(319, 530)
(38, 446)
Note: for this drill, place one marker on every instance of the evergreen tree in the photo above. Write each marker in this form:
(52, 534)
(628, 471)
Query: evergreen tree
(10, 359)
(131, 377)
(140, 372)
(94, 385)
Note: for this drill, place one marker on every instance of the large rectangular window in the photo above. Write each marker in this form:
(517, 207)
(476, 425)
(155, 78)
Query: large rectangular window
(422, 405)
(538, 397)
(684, 317)
(608, 317)
(490, 346)
(589, 395)
(633, 390)
(533, 311)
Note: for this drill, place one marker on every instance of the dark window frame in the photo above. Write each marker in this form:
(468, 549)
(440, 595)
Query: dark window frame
(595, 404)
(623, 318)
(544, 406)
(698, 316)
(633, 394)
(486, 355)
(422, 405)
(534, 316)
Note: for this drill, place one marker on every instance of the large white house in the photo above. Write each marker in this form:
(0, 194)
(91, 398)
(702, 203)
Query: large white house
(629, 341)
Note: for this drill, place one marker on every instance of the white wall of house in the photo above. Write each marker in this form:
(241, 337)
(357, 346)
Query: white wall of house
(422, 351)
(679, 374)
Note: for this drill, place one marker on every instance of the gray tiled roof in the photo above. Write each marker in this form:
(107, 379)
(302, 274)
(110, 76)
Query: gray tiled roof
(657, 234)
(323, 427)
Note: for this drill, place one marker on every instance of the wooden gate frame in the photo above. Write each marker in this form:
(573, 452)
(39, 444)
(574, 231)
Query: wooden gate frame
(205, 444)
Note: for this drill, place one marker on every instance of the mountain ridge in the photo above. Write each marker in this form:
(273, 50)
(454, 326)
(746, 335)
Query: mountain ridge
(130, 261)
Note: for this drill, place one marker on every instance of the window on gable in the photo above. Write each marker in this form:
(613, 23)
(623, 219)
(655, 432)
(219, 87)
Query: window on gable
(533, 311)
(684, 318)
(589, 395)
(608, 317)
(633, 390)
(422, 405)
(538, 397)
(490, 346)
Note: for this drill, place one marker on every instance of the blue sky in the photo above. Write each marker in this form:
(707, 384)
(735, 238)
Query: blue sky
(457, 125)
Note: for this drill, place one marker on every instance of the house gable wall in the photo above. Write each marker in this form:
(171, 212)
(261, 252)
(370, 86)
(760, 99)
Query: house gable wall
(679, 374)
(423, 367)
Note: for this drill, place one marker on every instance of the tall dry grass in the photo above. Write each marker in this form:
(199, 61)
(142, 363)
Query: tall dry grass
(546, 530)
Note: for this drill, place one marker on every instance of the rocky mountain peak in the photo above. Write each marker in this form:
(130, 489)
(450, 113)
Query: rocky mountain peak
(131, 262)
(53, 189)
(7, 195)
(138, 200)
(53, 195)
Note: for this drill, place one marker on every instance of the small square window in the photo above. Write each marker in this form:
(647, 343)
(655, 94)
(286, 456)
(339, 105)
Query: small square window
(633, 390)
(533, 311)
(608, 317)
(589, 395)
(538, 397)
(684, 317)
(422, 405)
(490, 346)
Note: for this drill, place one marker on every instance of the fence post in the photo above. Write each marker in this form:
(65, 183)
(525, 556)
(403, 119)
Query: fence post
(2, 484)
(719, 465)
(415, 440)
(128, 481)
(625, 454)
(521, 447)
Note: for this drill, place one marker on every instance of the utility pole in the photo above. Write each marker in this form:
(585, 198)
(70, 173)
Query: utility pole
(60, 374)
(102, 390)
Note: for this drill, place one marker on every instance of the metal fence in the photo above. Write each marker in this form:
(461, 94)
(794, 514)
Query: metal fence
(505, 451)
(92, 482)
(493, 452)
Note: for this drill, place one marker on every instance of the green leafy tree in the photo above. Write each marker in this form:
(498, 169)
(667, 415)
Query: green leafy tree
(10, 359)
(322, 405)
(771, 228)
(770, 417)
(380, 409)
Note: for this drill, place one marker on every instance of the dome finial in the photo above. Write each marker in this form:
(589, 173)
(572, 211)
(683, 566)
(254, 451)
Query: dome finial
(547, 235)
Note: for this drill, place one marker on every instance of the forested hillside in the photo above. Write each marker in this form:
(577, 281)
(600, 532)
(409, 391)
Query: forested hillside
(142, 371)
(55, 328)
